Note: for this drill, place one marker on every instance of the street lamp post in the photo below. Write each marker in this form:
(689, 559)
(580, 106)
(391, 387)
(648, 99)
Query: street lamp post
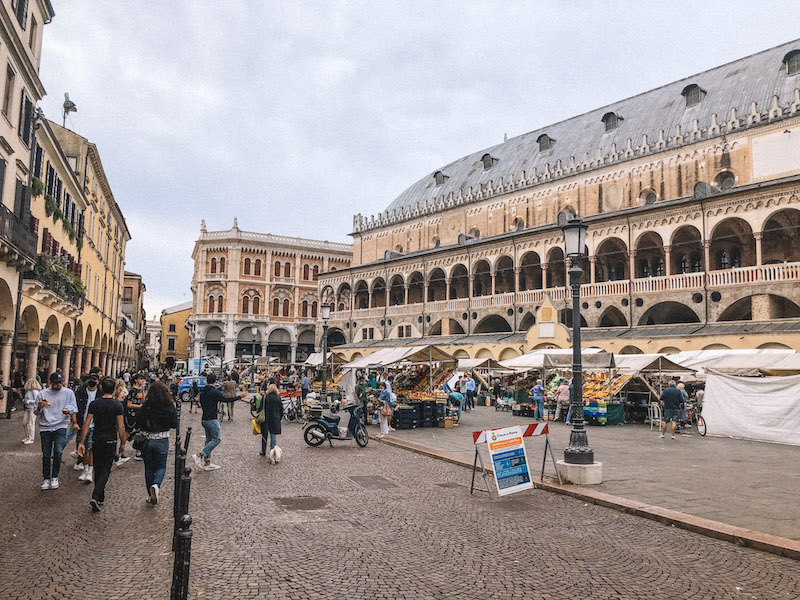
(326, 313)
(254, 331)
(579, 452)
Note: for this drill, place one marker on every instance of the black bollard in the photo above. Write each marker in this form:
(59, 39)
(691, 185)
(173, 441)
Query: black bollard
(182, 561)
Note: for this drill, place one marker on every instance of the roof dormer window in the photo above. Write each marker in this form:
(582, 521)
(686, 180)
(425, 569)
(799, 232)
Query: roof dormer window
(440, 178)
(792, 62)
(545, 142)
(488, 161)
(693, 94)
(611, 121)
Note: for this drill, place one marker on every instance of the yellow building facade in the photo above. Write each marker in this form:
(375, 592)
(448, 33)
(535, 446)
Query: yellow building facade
(133, 307)
(174, 333)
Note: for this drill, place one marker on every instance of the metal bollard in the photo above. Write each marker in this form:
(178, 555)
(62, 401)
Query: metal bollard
(182, 561)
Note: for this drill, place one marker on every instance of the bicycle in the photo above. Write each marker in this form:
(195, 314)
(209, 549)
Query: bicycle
(692, 414)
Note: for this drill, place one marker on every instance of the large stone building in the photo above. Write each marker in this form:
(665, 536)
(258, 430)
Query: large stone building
(133, 308)
(175, 333)
(690, 192)
(243, 280)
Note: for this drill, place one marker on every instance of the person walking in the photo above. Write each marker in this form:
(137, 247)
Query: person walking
(272, 405)
(470, 391)
(229, 391)
(462, 388)
(154, 420)
(210, 397)
(133, 402)
(497, 389)
(671, 400)
(120, 395)
(195, 396)
(386, 408)
(305, 385)
(562, 398)
(33, 393)
(538, 393)
(56, 411)
(105, 415)
(361, 394)
(86, 395)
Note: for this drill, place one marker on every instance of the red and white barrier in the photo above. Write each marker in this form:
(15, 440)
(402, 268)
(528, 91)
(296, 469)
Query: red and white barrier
(479, 437)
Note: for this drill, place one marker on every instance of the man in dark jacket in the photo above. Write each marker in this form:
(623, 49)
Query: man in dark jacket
(671, 400)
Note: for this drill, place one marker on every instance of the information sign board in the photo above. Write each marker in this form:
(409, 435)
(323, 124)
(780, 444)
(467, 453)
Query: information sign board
(509, 460)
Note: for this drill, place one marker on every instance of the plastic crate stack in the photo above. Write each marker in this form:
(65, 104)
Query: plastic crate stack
(405, 417)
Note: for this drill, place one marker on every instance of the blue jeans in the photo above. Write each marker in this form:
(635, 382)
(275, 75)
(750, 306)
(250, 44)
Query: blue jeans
(53, 444)
(569, 413)
(538, 413)
(273, 439)
(155, 461)
(212, 437)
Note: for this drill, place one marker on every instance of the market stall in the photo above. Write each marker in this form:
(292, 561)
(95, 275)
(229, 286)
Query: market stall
(738, 362)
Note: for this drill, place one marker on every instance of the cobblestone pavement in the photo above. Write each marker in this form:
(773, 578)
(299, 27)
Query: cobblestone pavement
(739, 482)
(345, 522)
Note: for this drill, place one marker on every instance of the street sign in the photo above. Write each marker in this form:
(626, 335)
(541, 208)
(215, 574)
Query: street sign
(509, 460)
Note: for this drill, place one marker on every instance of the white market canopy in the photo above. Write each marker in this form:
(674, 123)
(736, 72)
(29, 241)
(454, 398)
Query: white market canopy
(591, 358)
(636, 364)
(467, 364)
(738, 362)
(315, 359)
(391, 356)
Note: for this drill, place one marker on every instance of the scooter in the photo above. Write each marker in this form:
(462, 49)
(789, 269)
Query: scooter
(326, 427)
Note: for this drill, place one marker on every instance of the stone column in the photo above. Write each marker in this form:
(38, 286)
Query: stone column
(494, 283)
(95, 357)
(517, 271)
(66, 361)
(544, 277)
(33, 358)
(6, 346)
(87, 358)
(78, 360)
(102, 362)
(294, 352)
(52, 360)
(405, 294)
(447, 291)
(667, 261)
(196, 352)
(592, 274)
(632, 265)
(230, 350)
(471, 287)
(707, 256)
(759, 259)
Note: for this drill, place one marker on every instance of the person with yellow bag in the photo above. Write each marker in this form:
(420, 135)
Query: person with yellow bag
(268, 418)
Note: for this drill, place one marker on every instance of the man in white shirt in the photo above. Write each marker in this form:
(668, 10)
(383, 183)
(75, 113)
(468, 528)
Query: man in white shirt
(56, 411)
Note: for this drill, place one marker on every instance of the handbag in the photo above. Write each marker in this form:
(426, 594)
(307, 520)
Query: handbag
(256, 427)
(139, 441)
(386, 410)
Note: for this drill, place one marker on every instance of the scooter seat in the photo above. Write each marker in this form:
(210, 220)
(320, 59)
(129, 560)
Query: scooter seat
(332, 418)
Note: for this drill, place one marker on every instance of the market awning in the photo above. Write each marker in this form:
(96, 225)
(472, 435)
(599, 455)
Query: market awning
(409, 354)
(591, 358)
(635, 364)
(315, 359)
(467, 364)
(738, 362)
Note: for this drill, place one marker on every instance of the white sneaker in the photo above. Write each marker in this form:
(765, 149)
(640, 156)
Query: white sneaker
(154, 494)
(78, 467)
(89, 476)
(46, 484)
(74, 454)
(210, 467)
(122, 460)
(54, 483)
(82, 476)
(27, 441)
(198, 461)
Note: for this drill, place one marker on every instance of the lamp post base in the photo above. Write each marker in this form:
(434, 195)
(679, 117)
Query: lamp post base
(577, 474)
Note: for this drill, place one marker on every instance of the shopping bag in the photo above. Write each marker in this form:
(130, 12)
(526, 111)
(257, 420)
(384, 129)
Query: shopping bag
(256, 427)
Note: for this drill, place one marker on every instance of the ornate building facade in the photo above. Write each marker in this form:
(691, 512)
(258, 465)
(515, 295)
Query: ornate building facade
(244, 280)
(690, 192)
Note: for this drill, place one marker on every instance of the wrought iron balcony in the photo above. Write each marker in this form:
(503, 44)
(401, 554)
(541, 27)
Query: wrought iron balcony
(17, 241)
(53, 291)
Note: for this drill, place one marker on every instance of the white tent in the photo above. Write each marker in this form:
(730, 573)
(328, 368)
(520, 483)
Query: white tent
(315, 359)
(591, 358)
(467, 364)
(391, 356)
(636, 364)
(736, 362)
(754, 408)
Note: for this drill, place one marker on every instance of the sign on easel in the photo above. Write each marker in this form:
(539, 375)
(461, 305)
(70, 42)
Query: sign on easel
(509, 460)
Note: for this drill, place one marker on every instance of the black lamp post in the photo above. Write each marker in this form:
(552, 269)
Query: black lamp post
(254, 332)
(579, 452)
(326, 314)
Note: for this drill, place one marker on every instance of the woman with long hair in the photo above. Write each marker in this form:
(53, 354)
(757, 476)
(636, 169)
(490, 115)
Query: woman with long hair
(272, 405)
(120, 393)
(154, 419)
(33, 393)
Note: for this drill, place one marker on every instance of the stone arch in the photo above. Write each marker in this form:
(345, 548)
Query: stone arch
(613, 317)
(492, 324)
(504, 276)
(528, 320)
(669, 350)
(773, 307)
(104, 343)
(361, 294)
(732, 244)
(66, 335)
(52, 330)
(508, 353)
(631, 350)
(649, 255)
(416, 288)
(397, 290)
(459, 282)
(356, 356)
(556, 268)
(483, 353)
(482, 278)
(460, 354)
(669, 312)
(530, 275)
(30, 317)
(336, 337)
(565, 317)
(455, 328)
(7, 307)
(98, 342)
(716, 347)
(79, 332)
(774, 346)
(88, 337)
(611, 260)
(686, 250)
(378, 293)
(437, 285)
(781, 237)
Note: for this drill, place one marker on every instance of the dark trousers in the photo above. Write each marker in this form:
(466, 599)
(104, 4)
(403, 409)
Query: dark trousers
(471, 399)
(53, 443)
(103, 456)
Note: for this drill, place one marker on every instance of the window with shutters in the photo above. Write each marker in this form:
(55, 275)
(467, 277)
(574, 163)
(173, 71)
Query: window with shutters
(257, 268)
(316, 272)
(245, 305)
(2, 174)
(220, 305)
(20, 8)
(545, 142)
(256, 305)
(247, 266)
(304, 308)
(286, 307)
(792, 62)
(693, 94)
(277, 269)
(611, 121)
(127, 294)
(9, 89)
(213, 265)
(34, 33)
(19, 198)
(287, 270)
(305, 272)
(211, 304)
(25, 119)
(222, 265)
(37, 161)
(275, 307)
(314, 309)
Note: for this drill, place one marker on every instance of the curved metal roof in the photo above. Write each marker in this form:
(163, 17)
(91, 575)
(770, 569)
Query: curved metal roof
(735, 85)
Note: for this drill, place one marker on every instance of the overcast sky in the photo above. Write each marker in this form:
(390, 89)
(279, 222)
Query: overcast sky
(295, 116)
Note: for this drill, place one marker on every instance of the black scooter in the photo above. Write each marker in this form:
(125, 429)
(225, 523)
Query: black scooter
(326, 427)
